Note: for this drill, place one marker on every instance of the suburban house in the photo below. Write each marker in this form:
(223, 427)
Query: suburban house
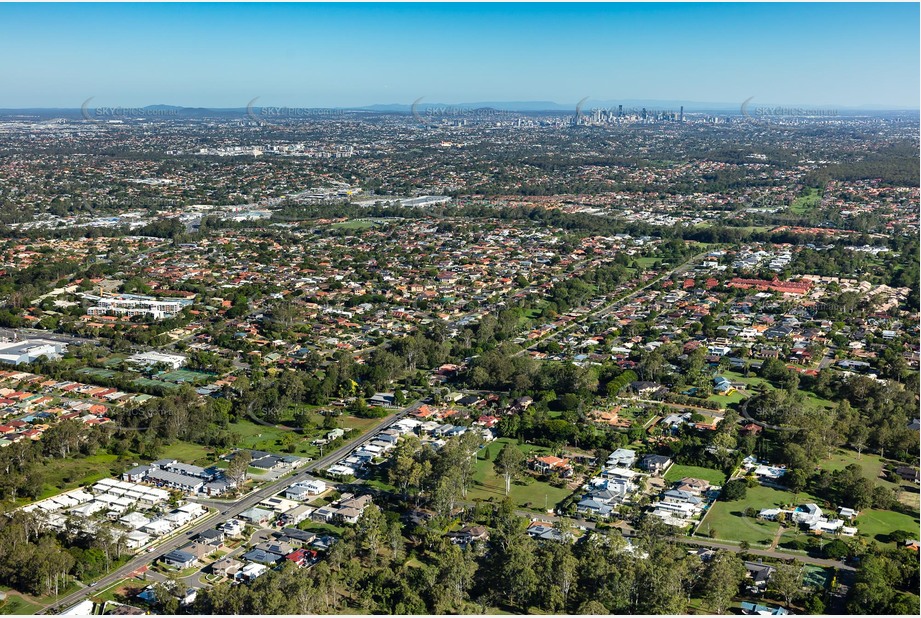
(302, 557)
(692, 485)
(293, 517)
(811, 517)
(550, 465)
(469, 534)
(179, 559)
(305, 489)
(646, 389)
(250, 572)
(213, 537)
(262, 556)
(257, 516)
(759, 573)
(136, 539)
(622, 458)
(386, 400)
(232, 527)
(323, 515)
(226, 567)
(722, 385)
(593, 508)
(295, 535)
(908, 473)
(757, 609)
(199, 550)
(655, 464)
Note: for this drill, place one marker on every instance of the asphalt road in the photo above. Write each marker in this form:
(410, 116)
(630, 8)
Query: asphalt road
(35, 333)
(226, 512)
(778, 555)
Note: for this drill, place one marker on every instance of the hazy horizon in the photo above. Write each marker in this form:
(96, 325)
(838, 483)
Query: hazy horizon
(848, 56)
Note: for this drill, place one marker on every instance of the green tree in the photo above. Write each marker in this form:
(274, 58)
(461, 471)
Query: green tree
(722, 579)
(236, 469)
(735, 489)
(509, 464)
(787, 581)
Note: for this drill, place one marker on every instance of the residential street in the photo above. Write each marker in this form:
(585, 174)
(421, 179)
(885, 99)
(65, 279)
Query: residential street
(225, 512)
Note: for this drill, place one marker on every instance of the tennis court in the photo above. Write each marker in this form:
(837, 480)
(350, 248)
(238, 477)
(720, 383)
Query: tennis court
(191, 376)
(98, 373)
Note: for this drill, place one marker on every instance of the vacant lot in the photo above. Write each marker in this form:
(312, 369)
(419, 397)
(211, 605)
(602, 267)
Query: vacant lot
(806, 202)
(878, 524)
(678, 472)
(64, 474)
(187, 452)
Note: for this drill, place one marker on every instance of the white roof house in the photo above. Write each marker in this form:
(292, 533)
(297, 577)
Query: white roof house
(157, 527)
(137, 539)
(134, 520)
(340, 470)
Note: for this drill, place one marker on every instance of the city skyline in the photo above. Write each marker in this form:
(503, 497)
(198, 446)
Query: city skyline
(321, 55)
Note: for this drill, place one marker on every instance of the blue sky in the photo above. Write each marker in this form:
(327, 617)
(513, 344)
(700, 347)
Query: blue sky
(317, 55)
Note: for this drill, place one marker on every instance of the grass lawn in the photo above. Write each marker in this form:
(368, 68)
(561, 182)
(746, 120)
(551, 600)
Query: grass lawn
(320, 528)
(878, 524)
(141, 382)
(729, 522)
(647, 262)
(272, 439)
(815, 401)
(187, 452)
(116, 590)
(871, 466)
(15, 604)
(678, 472)
(65, 474)
(359, 425)
(488, 485)
(97, 373)
(380, 484)
(751, 382)
(264, 437)
(725, 400)
(354, 224)
(807, 201)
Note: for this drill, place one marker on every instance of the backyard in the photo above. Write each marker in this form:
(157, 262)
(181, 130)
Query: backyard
(877, 524)
(727, 520)
(678, 472)
(487, 485)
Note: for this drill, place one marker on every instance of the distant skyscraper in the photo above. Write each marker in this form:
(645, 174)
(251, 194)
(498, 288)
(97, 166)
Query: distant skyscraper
(620, 111)
(682, 114)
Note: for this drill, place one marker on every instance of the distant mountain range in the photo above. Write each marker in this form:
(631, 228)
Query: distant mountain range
(422, 106)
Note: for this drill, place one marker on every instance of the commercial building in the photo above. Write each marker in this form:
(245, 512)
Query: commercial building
(135, 305)
(148, 359)
(30, 350)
